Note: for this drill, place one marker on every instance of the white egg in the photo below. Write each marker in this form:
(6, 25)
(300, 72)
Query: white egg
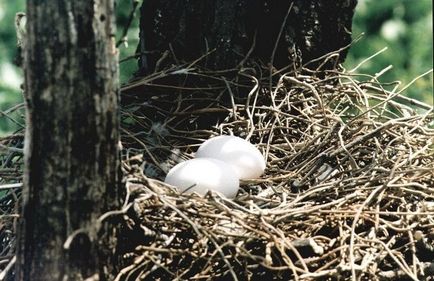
(246, 159)
(203, 174)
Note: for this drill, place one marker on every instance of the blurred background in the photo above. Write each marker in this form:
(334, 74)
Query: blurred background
(403, 26)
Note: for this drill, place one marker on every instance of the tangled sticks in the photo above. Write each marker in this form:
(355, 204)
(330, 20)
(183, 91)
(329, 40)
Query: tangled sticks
(348, 190)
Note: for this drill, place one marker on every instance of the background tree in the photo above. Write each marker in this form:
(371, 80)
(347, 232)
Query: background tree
(274, 32)
(72, 162)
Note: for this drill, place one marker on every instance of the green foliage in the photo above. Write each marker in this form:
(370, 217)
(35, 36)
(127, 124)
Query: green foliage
(10, 75)
(123, 11)
(405, 28)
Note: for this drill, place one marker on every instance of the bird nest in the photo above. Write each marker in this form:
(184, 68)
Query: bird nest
(348, 191)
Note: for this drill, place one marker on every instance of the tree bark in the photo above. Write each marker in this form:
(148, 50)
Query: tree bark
(272, 31)
(71, 144)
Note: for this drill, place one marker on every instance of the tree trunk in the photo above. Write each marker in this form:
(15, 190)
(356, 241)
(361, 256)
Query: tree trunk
(236, 29)
(72, 162)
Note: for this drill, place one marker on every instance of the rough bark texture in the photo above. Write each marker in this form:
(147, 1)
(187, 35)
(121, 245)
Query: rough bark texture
(191, 28)
(72, 162)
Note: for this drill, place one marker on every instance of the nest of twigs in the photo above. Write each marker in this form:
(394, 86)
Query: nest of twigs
(11, 170)
(348, 191)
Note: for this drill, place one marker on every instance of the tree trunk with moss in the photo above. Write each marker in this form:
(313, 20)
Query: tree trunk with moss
(280, 32)
(71, 154)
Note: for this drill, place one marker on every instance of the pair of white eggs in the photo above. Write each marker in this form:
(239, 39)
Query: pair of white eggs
(219, 165)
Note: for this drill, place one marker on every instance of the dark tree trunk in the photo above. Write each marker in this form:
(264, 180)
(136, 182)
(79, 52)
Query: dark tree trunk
(72, 162)
(188, 29)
